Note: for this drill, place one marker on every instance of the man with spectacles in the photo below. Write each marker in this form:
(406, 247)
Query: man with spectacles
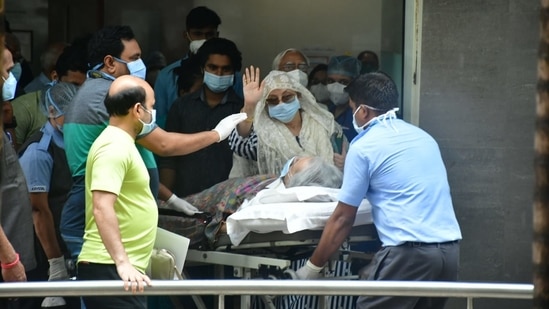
(341, 71)
(294, 62)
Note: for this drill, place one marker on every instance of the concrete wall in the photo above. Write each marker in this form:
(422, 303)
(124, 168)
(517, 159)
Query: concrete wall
(478, 80)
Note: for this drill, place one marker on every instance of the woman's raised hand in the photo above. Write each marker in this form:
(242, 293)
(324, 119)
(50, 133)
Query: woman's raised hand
(253, 88)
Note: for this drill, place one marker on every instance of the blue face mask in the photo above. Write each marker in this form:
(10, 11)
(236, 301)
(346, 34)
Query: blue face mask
(17, 70)
(137, 67)
(218, 83)
(286, 167)
(284, 112)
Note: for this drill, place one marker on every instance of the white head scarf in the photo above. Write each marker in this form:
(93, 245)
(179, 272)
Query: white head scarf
(276, 144)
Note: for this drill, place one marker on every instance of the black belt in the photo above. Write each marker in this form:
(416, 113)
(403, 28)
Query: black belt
(428, 244)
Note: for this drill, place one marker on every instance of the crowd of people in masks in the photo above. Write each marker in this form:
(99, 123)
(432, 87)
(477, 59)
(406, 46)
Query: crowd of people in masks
(100, 139)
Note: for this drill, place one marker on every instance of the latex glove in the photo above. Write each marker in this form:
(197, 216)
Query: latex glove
(181, 205)
(309, 272)
(58, 271)
(227, 125)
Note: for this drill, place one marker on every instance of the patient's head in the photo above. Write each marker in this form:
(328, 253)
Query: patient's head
(312, 171)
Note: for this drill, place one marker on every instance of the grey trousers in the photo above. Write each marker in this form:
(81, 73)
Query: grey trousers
(412, 262)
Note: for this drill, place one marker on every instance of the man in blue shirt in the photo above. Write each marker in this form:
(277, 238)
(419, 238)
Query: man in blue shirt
(399, 169)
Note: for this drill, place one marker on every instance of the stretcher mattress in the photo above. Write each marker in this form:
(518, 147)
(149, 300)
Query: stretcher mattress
(289, 211)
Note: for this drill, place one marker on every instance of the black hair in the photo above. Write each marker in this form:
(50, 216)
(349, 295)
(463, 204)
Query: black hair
(376, 90)
(317, 68)
(220, 46)
(119, 104)
(188, 73)
(202, 17)
(108, 41)
(369, 52)
(73, 58)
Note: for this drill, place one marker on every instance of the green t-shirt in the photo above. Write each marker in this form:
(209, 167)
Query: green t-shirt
(115, 165)
(29, 115)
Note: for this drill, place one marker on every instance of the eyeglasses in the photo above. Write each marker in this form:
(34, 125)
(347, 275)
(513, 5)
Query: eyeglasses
(286, 98)
(292, 66)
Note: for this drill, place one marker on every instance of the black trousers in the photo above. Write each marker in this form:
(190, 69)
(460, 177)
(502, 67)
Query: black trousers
(412, 262)
(91, 271)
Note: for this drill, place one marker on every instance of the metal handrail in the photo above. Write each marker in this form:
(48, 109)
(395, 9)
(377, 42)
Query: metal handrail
(274, 287)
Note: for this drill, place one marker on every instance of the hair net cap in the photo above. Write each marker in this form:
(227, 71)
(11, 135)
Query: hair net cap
(344, 65)
(58, 97)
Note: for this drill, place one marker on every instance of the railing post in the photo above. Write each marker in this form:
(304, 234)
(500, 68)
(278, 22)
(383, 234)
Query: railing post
(469, 303)
(221, 301)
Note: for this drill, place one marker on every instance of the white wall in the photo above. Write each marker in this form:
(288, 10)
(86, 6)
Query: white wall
(261, 29)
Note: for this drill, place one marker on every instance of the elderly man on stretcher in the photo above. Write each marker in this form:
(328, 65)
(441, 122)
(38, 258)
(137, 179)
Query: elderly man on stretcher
(220, 201)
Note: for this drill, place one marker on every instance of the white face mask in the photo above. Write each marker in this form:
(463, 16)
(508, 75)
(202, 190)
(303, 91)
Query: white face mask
(299, 76)
(321, 93)
(148, 127)
(195, 45)
(9, 87)
(358, 129)
(338, 96)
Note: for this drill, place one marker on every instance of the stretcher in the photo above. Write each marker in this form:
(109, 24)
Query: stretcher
(273, 234)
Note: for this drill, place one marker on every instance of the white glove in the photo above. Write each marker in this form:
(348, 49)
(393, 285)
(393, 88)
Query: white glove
(58, 271)
(181, 205)
(309, 272)
(227, 125)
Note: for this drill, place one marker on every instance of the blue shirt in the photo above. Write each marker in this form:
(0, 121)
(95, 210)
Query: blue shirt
(399, 169)
(165, 90)
(345, 120)
(36, 161)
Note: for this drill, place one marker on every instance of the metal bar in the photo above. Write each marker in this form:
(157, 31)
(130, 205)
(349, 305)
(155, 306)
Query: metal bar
(274, 287)
(469, 303)
(232, 259)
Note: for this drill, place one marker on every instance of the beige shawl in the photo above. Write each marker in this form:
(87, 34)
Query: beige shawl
(276, 144)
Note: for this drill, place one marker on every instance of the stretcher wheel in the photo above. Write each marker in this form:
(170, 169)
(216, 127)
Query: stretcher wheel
(290, 274)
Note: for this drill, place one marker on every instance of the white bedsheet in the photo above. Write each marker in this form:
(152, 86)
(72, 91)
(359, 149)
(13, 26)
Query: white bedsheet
(288, 210)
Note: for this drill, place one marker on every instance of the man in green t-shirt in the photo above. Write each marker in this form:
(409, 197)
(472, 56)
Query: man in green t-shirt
(121, 213)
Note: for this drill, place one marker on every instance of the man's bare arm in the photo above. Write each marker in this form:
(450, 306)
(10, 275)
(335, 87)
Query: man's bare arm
(177, 144)
(335, 232)
(43, 224)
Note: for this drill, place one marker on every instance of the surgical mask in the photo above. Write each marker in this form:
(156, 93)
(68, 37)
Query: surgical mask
(299, 76)
(321, 93)
(284, 112)
(137, 67)
(338, 96)
(358, 129)
(17, 70)
(195, 45)
(148, 127)
(218, 83)
(286, 167)
(391, 114)
(9, 87)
